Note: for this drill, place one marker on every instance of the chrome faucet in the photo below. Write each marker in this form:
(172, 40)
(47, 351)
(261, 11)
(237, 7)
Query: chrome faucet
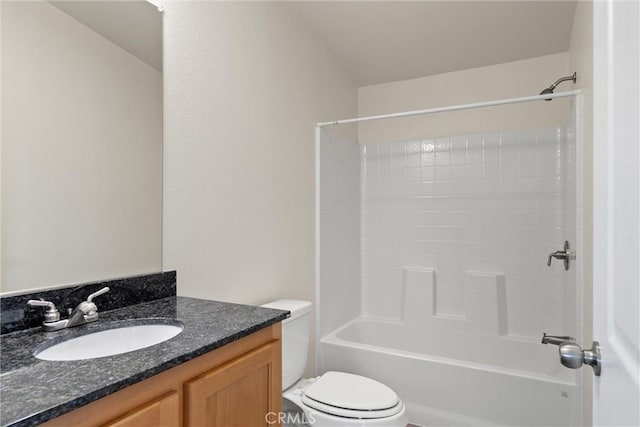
(85, 312)
(555, 339)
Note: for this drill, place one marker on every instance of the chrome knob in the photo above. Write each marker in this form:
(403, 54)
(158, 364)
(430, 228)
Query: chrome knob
(573, 356)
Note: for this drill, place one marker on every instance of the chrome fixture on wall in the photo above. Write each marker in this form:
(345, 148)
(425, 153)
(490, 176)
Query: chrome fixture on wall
(566, 255)
(555, 339)
(551, 88)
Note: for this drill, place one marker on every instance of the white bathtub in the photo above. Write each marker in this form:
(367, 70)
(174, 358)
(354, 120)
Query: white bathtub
(458, 378)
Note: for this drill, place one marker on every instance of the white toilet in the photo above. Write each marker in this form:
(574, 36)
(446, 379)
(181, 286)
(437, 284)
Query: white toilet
(336, 398)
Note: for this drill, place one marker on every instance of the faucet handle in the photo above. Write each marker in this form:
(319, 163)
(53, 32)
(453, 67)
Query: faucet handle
(98, 293)
(41, 303)
(566, 255)
(89, 308)
(556, 254)
(51, 314)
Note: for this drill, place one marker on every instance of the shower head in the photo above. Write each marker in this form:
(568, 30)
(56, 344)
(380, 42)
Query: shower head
(551, 88)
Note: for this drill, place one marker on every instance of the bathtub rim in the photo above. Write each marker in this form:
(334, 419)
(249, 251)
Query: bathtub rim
(333, 339)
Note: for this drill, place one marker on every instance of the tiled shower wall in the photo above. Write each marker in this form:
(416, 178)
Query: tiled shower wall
(455, 231)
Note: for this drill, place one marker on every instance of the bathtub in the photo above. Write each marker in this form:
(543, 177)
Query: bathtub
(458, 378)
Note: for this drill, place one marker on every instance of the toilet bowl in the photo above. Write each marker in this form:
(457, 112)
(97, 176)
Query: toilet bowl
(333, 399)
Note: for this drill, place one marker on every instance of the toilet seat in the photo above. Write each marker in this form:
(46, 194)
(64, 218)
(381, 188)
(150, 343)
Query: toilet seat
(351, 396)
(350, 413)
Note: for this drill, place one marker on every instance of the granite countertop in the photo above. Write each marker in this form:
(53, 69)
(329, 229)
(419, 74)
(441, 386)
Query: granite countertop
(33, 391)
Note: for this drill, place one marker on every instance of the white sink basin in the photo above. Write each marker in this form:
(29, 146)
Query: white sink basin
(110, 342)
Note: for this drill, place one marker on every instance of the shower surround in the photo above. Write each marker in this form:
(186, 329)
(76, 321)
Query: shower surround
(456, 232)
(432, 254)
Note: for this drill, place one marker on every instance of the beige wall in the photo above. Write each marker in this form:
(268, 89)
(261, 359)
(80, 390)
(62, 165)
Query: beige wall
(581, 59)
(513, 79)
(81, 153)
(245, 84)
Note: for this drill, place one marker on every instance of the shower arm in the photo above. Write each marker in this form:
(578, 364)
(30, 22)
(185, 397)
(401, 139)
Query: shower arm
(563, 79)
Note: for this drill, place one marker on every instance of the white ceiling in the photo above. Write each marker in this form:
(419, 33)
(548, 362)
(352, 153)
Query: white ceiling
(384, 41)
(134, 25)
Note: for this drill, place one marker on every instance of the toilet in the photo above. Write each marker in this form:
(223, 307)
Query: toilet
(333, 399)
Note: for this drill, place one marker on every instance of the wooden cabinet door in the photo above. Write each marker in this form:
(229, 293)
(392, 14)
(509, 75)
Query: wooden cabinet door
(238, 393)
(163, 411)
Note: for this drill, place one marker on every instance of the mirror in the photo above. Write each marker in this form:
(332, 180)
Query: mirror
(81, 142)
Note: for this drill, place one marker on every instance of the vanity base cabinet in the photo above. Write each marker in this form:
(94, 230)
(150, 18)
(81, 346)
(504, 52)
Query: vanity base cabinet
(235, 385)
(238, 393)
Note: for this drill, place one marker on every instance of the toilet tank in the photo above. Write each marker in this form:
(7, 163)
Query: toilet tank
(295, 338)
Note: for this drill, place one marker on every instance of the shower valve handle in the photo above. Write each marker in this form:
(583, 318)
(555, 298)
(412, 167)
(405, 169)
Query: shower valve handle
(566, 255)
(557, 255)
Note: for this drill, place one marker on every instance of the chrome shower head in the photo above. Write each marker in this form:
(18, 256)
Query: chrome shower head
(551, 88)
(547, 90)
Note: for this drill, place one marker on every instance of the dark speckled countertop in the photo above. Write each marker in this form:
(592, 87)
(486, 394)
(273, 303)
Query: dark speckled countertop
(33, 391)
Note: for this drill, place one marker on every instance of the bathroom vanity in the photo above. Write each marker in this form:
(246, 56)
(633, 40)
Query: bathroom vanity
(234, 385)
(224, 368)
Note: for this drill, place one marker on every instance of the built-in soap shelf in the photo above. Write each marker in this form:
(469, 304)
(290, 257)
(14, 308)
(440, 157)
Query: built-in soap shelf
(484, 301)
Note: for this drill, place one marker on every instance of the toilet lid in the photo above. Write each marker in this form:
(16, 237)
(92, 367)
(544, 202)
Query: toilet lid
(352, 396)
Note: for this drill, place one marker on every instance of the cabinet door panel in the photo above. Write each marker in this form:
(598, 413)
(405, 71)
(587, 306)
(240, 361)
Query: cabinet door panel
(164, 411)
(239, 393)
